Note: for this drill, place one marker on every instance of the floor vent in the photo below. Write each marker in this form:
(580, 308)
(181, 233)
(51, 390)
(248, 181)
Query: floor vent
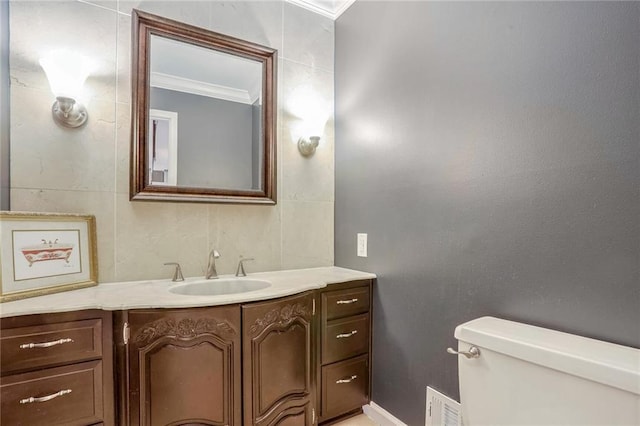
(442, 410)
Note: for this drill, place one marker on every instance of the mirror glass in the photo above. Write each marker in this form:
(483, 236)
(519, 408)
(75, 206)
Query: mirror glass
(204, 117)
(205, 125)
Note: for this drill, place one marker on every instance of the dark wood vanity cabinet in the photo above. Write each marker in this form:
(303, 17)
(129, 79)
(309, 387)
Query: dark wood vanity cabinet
(294, 361)
(185, 366)
(57, 369)
(344, 372)
(180, 366)
(278, 361)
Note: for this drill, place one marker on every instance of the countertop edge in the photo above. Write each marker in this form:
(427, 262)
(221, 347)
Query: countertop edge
(154, 294)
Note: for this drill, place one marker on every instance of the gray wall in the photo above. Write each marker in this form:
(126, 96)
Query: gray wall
(214, 139)
(491, 152)
(4, 105)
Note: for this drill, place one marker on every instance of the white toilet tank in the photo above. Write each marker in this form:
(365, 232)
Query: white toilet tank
(526, 375)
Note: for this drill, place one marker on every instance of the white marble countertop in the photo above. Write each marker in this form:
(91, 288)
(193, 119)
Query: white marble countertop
(156, 294)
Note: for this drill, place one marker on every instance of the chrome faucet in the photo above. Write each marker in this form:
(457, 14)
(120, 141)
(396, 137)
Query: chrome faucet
(211, 266)
(240, 271)
(177, 273)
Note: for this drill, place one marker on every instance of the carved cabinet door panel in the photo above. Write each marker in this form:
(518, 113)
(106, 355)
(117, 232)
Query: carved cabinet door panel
(278, 360)
(184, 366)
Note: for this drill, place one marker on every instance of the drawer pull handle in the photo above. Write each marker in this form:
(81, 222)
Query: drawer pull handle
(45, 344)
(349, 380)
(345, 335)
(32, 399)
(347, 302)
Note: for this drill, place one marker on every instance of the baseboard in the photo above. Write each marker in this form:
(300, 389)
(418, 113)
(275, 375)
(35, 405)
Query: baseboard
(380, 416)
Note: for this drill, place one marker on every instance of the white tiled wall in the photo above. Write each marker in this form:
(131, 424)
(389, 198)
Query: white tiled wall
(87, 170)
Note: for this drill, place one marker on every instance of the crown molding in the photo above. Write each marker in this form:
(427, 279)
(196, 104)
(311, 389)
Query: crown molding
(341, 9)
(312, 6)
(194, 87)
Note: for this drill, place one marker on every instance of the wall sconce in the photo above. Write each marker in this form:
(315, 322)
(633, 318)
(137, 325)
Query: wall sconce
(307, 147)
(314, 125)
(67, 72)
(313, 112)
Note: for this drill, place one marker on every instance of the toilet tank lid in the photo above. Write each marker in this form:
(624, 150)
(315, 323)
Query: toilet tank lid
(603, 362)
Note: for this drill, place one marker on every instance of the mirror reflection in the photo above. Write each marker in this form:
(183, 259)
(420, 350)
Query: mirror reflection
(205, 109)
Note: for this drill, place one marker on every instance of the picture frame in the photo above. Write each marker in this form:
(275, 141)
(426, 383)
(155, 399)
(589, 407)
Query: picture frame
(42, 253)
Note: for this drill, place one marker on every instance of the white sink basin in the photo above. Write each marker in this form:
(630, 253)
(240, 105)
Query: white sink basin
(218, 287)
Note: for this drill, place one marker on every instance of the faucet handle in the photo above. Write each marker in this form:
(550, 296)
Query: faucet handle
(240, 271)
(177, 274)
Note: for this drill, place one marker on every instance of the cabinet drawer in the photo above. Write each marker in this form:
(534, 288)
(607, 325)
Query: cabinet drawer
(70, 395)
(344, 386)
(345, 338)
(39, 346)
(343, 303)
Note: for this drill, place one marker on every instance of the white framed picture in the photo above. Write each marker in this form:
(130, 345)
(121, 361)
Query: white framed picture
(44, 253)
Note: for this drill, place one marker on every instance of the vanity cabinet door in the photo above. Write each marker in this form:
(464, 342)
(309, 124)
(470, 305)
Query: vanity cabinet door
(278, 360)
(184, 366)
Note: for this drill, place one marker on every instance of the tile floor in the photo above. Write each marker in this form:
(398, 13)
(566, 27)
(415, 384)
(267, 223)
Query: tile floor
(360, 420)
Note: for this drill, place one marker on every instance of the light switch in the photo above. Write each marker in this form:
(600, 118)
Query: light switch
(362, 245)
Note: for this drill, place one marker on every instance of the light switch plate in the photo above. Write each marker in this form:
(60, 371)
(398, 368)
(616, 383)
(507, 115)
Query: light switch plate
(362, 245)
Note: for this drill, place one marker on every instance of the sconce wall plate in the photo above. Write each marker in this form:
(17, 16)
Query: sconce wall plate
(307, 147)
(68, 113)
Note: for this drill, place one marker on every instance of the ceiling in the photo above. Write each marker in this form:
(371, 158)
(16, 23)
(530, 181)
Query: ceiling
(328, 8)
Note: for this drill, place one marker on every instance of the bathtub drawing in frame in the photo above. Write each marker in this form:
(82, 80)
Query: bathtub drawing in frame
(43, 253)
(47, 251)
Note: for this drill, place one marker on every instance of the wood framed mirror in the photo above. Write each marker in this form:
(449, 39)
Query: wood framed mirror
(203, 115)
